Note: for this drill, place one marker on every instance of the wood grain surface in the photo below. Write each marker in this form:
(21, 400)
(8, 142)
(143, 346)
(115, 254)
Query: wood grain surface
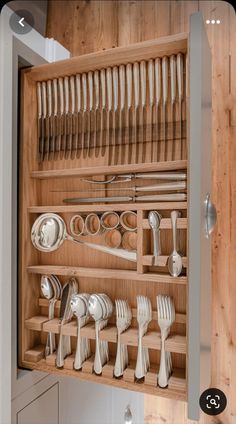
(88, 26)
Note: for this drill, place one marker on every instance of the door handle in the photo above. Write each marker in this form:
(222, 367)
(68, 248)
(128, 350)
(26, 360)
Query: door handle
(210, 216)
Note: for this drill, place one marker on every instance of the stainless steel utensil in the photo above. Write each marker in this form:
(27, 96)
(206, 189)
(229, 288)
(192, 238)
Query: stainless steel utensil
(144, 316)
(115, 109)
(166, 317)
(123, 321)
(179, 176)
(61, 127)
(78, 129)
(44, 120)
(40, 122)
(67, 119)
(175, 259)
(136, 108)
(109, 110)
(79, 306)
(71, 147)
(143, 80)
(129, 107)
(96, 112)
(151, 100)
(84, 114)
(121, 111)
(49, 232)
(157, 101)
(171, 186)
(102, 147)
(173, 99)
(90, 112)
(164, 64)
(55, 119)
(175, 197)
(180, 77)
(154, 219)
(49, 111)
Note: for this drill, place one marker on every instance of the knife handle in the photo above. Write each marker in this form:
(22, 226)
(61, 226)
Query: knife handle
(49, 98)
(151, 81)
(96, 86)
(143, 82)
(173, 77)
(61, 95)
(90, 85)
(129, 84)
(115, 87)
(44, 100)
(54, 82)
(122, 86)
(39, 97)
(84, 87)
(180, 75)
(103, 87)
(165, 78)
(136, 84)
(158, 80)
(72, 93)
(66, 90)
(78, 91)
(109, 88)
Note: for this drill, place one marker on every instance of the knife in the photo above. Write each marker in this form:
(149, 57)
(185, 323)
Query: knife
(40, 122)
(175, 197)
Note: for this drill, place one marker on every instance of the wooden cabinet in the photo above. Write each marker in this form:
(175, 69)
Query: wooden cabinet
(147, 133)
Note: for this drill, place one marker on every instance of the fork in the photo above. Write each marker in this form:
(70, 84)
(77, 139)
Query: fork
(123, 321)
(166, 317)
(144, 316)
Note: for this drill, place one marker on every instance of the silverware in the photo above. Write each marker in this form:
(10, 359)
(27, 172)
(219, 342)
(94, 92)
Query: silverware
(179, 176)
(136, 107)
(164, 63)
(44, 119)
(154, 219)
(71, 118)
(96, 118)
(55, 118)
(84, 113)
(90, 120)
(50, 119)
(49, 233)
(109, 110)
(180, 76)
(123, 321)
(165, 318)
(179, 185)
(115, 109)
(102, 147)
(144, 316)
(67, 118)
(175, 197)
(78, 129)
(129, 106)
(151, 100)
(64, 344)
(157, 101)
(173, 99)
(40, 122)
(175, 259)
(143, 110)
(61, 128)
(121, 111)
(79, 307)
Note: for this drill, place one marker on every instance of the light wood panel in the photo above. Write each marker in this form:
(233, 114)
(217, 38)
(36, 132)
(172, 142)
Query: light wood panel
(136, 21)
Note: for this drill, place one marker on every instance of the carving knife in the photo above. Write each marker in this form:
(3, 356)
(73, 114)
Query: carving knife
(175, 197)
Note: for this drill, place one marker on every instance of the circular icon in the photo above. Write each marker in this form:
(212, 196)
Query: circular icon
(21, 21)
(213, 401)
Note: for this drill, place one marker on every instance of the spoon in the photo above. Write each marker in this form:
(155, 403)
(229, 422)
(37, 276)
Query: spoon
(154, 219)
(175, 260)
(96, 311)
(79, 309)
(49, 232)
(48, 293)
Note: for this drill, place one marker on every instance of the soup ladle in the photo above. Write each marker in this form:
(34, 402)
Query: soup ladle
(49, 232)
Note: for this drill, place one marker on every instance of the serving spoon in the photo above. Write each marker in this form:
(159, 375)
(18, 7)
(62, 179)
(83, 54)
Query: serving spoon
(175, 260)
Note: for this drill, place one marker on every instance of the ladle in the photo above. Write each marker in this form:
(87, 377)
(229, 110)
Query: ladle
(49, 232)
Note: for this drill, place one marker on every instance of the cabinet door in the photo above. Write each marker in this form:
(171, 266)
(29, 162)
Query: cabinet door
(199, 329)
(44, 409)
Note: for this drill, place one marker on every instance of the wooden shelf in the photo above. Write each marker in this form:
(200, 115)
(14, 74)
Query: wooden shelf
(111, 169)
(182, 224)
(176, 388)
(179, 318)
(114, 274)
(108, 207)
(160, 261)
(175, 342)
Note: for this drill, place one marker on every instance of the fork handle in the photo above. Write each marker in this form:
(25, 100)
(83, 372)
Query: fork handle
(78, 359)
(97, 359)
(117, 368)
(139, 371)
(163, 375)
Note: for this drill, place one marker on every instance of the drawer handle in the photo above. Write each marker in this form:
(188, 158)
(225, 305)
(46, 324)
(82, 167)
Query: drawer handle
(210, 216)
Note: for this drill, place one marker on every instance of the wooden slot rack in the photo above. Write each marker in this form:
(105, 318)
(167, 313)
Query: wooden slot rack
(44, 185)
